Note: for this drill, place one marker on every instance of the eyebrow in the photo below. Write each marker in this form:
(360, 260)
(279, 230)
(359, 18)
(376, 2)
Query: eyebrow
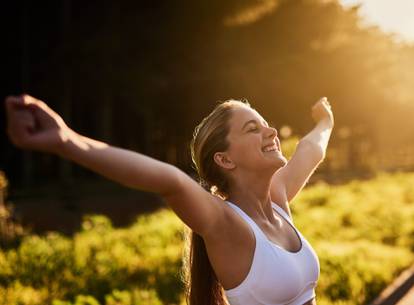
(253, 121)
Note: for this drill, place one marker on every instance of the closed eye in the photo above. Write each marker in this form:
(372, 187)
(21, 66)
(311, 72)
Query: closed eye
(267, 125)
(255, 126)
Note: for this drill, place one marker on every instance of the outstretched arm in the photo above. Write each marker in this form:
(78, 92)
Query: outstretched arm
(33, 125)
(126, 167)
(310, 152)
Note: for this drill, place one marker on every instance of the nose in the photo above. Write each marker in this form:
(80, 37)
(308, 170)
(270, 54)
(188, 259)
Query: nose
(272, 132)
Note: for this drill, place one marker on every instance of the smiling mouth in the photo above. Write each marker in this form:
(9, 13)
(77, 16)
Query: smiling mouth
(270, 148)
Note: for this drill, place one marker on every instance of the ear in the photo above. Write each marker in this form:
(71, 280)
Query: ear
(223, 160)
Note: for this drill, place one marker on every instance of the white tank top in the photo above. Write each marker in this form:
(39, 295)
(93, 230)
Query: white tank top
(276, 276)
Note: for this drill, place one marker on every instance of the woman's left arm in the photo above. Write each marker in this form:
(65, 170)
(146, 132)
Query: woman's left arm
(309, 153)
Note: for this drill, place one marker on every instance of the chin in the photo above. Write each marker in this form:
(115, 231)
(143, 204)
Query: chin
(276, 162)
(280, 162)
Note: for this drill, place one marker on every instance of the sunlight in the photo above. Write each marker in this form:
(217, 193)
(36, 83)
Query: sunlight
(252, 13)
(391, 16)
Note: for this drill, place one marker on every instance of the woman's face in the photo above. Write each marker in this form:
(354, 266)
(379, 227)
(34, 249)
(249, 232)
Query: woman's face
(253, 144)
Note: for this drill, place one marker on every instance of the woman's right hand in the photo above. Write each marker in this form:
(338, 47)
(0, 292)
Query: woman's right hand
(31, 124)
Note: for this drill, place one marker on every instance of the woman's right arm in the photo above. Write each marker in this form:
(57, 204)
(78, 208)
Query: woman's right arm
(195, 206)
(33, 125)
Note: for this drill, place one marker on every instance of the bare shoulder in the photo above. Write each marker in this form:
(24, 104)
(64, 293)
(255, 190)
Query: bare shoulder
(209, 216)
(230, 247)
(196, 207)
(229, 225)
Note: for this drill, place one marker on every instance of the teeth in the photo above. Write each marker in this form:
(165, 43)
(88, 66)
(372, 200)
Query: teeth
(270, 148)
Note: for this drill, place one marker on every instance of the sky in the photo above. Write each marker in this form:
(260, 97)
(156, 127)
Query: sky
(396, 16)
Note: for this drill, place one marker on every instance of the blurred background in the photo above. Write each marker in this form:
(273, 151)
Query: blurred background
(142, 74)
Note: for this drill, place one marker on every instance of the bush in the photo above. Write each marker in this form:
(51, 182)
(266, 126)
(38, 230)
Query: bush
(11, 231)
(362, 231)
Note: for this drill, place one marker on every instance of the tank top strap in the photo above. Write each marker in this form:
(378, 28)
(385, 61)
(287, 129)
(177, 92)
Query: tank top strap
(257, 231)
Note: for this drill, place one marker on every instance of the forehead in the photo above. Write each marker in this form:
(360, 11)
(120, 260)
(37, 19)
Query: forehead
(241, 115)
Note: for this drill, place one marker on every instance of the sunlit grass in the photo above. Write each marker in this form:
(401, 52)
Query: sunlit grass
(362, 231)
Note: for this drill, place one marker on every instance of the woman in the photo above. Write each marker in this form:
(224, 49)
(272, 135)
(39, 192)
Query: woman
(244, 244)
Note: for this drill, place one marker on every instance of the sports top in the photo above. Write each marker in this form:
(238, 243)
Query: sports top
(276, 276)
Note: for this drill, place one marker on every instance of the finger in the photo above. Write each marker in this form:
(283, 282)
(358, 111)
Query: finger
(22, 129)
(35, 106)
(320, 101)
(22, 123)
(317, 105)
(42, 117)
(39, 108)
(18, 134)
(27, 120)
(28, 99)
(34, 102)
(11, 102)
(16, 108)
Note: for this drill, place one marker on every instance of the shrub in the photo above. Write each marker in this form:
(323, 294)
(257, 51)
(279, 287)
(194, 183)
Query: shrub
(362, 231)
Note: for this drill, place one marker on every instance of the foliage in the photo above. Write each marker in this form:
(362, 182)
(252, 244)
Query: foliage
(3, 181)
(362, 231)
(289, 146)
(99, 265)
(281, 55)
(11, 231)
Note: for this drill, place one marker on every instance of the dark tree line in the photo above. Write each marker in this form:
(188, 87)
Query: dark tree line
(141, 74)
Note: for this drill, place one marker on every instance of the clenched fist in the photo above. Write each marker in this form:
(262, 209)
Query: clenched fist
(322, 110)
(31, 124)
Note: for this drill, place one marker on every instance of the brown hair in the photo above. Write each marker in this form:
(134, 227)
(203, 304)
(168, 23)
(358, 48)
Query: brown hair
(210, 136)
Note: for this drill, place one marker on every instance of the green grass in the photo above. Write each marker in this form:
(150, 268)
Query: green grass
(363, 232)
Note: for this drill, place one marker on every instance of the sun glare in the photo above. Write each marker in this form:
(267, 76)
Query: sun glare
(395, 16)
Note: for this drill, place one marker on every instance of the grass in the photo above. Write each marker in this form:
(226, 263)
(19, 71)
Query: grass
(363, 232)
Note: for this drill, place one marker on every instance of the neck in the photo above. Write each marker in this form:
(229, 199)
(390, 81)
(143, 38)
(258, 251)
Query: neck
(252, 194)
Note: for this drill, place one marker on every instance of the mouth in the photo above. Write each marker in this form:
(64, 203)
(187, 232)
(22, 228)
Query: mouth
(271, 148)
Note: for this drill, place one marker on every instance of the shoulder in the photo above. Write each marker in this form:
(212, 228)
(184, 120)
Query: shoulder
(230, 225)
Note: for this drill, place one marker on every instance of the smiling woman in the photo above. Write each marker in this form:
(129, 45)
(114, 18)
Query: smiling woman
(244, 244)
(391, 16)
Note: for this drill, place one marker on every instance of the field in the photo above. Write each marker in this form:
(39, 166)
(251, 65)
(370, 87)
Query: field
(363, 232)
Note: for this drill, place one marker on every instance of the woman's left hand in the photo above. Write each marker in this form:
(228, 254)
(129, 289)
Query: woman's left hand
(322, 111)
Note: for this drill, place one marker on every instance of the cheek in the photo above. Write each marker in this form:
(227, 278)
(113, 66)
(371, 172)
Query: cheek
(245, 150)
(245, 147)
